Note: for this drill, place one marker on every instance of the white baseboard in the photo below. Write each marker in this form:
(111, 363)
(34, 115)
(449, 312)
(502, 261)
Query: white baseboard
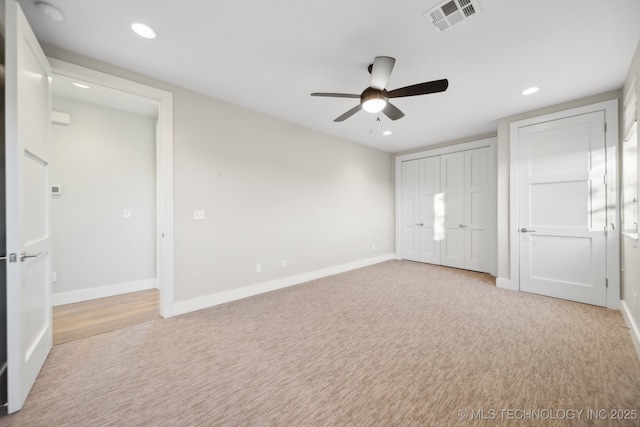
(503, 283)
(634, 330)
(182, 307)
(102, 292)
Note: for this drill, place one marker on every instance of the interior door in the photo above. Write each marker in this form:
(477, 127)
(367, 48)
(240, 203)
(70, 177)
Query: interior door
(562, 208)
(430, 225)
(410, 210)
(452, 187)
(477, 185)
(28, 121)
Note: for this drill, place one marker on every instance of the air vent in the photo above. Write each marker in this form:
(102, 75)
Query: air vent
(451, 12)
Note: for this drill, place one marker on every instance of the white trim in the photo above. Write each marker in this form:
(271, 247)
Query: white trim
(503, 283)
(481, 143)
(164, 167)
(102, 292)
(211, 300)
(634, 330)
(610, 109)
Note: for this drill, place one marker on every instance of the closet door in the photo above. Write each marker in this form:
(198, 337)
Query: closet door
(477, 186)
(452, 246)
(410, 210)
(431, 217)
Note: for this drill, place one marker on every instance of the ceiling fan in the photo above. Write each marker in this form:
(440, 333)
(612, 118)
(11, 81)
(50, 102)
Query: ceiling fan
(375, 98)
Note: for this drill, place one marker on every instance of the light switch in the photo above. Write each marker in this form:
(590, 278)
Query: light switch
(198, 215)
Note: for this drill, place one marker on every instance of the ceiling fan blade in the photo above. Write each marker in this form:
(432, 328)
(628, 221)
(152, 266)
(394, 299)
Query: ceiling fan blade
(420, 89)
(348, 114)
(393, 112)
(381, 71)
(335, 95)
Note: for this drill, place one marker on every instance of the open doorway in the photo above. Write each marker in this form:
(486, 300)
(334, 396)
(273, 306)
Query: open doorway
(103, 209)
(111, 186)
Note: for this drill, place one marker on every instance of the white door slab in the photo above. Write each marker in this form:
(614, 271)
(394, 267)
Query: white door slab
(452, 187)
(431, 220)
(477, 196)
(28, 121)
(562, 209)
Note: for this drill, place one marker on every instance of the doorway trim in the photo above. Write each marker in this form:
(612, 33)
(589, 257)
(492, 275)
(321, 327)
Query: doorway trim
(164, 168)
(610, 109)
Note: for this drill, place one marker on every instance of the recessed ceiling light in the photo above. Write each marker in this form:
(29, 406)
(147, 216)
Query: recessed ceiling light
(81, 86)
(51, 12)
(387, 133)
(143, 30)
(530, 90)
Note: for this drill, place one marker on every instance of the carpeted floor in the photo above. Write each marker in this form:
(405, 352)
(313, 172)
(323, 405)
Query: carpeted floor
(398, 343)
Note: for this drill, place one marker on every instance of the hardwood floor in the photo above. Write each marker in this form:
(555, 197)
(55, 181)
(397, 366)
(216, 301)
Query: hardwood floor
(88, 318)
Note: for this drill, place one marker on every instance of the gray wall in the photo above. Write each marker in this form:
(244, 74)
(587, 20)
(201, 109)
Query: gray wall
(271, 190)
(105, 163)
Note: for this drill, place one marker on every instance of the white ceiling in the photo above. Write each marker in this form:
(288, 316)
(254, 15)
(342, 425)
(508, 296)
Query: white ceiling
(270, 55)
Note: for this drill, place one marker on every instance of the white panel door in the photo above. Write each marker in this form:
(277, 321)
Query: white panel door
(477, 191)
(28, 121)
(562, 208)
(431, 219)
(452, 188)
(410, 210)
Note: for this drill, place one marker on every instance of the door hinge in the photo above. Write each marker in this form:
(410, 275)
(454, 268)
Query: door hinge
(606, 282)
(605, 128)
(604, 178)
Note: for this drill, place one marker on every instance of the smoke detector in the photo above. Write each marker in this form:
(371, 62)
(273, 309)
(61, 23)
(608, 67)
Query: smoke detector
(451, 12)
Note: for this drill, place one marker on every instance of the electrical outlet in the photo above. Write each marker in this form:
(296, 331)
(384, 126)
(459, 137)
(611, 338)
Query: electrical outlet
(126, 213)
(283, 263)
(258, 268)
(373, 248)
(198, 215)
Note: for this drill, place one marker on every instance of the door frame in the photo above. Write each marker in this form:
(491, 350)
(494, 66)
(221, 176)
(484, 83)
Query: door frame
(610, 109)
(164, 168)
(480, 143)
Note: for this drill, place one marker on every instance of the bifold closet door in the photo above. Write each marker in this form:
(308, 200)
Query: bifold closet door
(477, 186)
(422, 213)
(410, 210)
(452, 187)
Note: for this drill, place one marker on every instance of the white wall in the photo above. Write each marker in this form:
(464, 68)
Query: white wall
(271, 190)
(105, 163)
(630, 247)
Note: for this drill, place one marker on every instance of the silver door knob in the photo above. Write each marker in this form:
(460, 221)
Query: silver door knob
(525, 230)
(463, 226)
(420, 224)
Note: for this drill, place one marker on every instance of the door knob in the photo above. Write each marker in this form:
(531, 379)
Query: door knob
(525, 230)
(463, 226)
(420, 224)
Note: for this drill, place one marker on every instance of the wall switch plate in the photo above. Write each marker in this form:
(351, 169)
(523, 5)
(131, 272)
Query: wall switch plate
(198, 215)
(258, 268)
(54, 276)
(373, 248)
(283, 263)
(126, 213)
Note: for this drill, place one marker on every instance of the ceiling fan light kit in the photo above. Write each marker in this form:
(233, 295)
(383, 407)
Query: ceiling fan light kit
(375, 98)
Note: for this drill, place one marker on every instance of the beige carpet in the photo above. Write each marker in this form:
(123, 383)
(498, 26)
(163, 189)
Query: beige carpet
(398, 343)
